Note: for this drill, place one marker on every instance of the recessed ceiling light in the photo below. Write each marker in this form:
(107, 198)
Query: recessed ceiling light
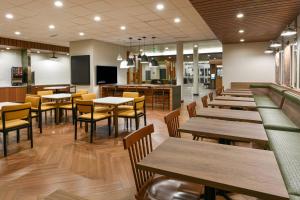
(241, 31)
(275, 44)
(17, 33)
(166, 48)
(242, 40)
(81, 33)
(195, 46)
(68, 54)
(97, 18)
(240, 15)
(7, 48)
(160, 6)
(58, 4)
(177, 20)
(38, 52)
(123, 28)
(268, 51)
(51, 26)
(9, 16)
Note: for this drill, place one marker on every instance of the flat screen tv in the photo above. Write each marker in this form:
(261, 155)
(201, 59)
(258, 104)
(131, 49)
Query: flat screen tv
(80, 70)
(107, 74)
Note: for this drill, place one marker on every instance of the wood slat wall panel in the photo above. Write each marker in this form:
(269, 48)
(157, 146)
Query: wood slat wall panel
(264, 19)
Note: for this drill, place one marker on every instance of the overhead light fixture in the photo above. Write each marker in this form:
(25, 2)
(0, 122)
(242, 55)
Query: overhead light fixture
(17, 33)
(177, 20)
(9, 16)
(195, 46)
(144, 58)
(139, 56)
(53, 57)
(241, 31)
(123, 28)
(130, 60)
(268, 51)
(67, 54)
(123, 64)
(242, 40)
(7, 48)
(167, 48)
(288, 32)
(38, 52)
(81, 33)
(58, 4)
(160, 6)
(153, 62)
(240, 15)
(119, 58)
(97, 18)
(275, 44)
(51, 26)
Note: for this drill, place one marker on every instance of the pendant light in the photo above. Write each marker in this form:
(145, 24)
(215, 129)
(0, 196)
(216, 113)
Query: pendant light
(153, 62)
(144, 58)
(119, 58)
(139, 56)
(275, 44)
(268, 51)
(130, 61)
(288, 32)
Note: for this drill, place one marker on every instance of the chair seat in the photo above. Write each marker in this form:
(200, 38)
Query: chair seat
(102, 109)
(67, 106)
(163, 188)
(286, 148)
(13, 123)
(263, 101)
(34, 114)
(47, 107)
(275, 119)
(125, 107)
(97, 116)
(129, 113)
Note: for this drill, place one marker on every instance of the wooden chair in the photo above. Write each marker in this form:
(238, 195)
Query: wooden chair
(192, 113)
(172, 121)
(138, 111)
(36, 113)
(46, 104)
(204, 101)
(218, 92)
(211, 96)
(71, 106)
(128, 95)
(91, 97)
(149, 186)
(85, 112)
(14, 118)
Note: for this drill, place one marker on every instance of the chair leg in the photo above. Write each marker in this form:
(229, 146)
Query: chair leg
(31, 136)
(18, 136)
(46, 116)
(86, 127)
(92, 132)
(145, 120)
(66, 113)
(4, 144)
(75, 135)
(109, 123)
(136, 123)
(40, 122)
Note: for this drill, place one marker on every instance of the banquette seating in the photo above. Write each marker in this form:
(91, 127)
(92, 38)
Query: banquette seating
(280, 112)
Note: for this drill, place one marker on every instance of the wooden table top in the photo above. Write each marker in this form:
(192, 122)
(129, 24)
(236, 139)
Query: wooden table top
(7, 104)
(232, 98)
(56, 88)
(243, 170)
(57, 96)
(231, 130)
(238, 94)
(233, 104)
(229, 114)
(113, 100)
(238, 90)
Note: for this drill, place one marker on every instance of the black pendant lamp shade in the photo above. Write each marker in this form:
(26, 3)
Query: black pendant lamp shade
(139, 57)
(144, 58)
(154, 63)
(130, 60)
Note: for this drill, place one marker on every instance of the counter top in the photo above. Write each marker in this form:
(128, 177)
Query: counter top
(140, 85)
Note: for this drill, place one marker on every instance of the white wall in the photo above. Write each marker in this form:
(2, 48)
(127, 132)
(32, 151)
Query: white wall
(8, 59)
(247, 62)
(50, 71)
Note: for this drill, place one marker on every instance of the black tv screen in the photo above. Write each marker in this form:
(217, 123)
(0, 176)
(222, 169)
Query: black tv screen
(80, 70)
(107, 74)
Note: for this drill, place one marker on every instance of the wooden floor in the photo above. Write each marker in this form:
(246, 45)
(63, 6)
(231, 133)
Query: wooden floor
(94, 171)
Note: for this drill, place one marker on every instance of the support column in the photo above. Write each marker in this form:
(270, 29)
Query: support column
(179, 65)
(196, 71)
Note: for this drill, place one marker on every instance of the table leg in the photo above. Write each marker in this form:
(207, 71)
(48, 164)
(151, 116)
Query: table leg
(209, 193)
(116, 121)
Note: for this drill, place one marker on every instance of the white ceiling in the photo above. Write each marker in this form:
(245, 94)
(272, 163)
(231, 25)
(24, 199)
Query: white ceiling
(32, 18)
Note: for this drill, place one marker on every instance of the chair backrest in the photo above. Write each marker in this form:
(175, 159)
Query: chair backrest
(172, 121)
(211, 96)
(34, 100)
(44, 92)
(130, 94)
(14, 112)
(83, 106)
(139, 102)
(81, 91)
(218, 92)
(204, 101)
(191, 108)
(89, 97)
(139, 145)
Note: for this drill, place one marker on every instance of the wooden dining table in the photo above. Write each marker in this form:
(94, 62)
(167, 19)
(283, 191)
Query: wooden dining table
(247, 171)
(225, 130)
(232, 98)
(238, 90)
(229, 114)
(56, 88)
(238, 94)
(114, 102)
(233, 104)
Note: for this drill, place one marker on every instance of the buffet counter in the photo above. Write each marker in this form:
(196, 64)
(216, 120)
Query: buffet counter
(170, 95)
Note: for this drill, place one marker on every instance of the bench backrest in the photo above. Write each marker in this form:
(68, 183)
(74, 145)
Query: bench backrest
(276, 94)
(291, 106)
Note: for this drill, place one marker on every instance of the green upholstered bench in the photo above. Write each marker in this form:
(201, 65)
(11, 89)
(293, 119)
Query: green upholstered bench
(260, 85)
(294, 197)
(286, 148)
(277, 89)
(275, 119)
(263, 101)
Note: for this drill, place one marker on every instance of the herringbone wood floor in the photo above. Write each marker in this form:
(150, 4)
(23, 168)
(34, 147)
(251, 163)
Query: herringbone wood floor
(95, 171)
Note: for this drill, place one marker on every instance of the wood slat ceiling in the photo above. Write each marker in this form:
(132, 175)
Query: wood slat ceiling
(263, 21)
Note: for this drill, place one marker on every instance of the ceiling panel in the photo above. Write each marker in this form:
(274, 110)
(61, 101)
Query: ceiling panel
(263, 19)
